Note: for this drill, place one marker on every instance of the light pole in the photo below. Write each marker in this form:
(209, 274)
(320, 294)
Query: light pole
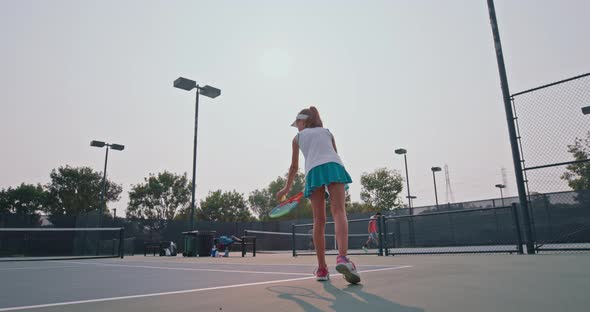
(401, 151)
(208, 91)
(434, 170)
(117, 147)
(501, 186)
(404, 152)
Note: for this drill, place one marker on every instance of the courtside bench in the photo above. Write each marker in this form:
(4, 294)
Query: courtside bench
(152, 247)
(160, 247)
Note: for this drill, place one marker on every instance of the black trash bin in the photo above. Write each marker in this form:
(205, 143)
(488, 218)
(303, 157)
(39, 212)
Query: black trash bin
(198, 243)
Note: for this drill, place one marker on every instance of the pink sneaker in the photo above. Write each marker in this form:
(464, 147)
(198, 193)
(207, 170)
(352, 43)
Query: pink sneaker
(348, 269)
(321, 274)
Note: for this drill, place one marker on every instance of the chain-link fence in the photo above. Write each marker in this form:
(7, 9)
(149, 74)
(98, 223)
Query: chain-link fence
(140, 231)
(554, 141)
(560, 222)
(483, 230)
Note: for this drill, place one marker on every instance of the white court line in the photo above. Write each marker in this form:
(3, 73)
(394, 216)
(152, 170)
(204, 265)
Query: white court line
(187, 269)
(246, 264)
(175, 292)
(35, 268)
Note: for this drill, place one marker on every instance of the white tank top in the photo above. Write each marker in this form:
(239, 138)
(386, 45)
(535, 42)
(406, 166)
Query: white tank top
(317, 148)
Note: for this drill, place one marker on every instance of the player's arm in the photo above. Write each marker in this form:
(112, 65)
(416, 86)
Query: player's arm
(294, 164)
(292, 170)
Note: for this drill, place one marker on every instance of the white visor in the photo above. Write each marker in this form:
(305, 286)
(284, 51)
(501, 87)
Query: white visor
(299, 117)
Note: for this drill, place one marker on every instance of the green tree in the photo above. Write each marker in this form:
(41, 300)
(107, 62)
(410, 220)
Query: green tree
(76, 190)
(24, 199)
(160, 197)
(381, 189)
(578, 175)
(224, 207)
(356, 207)
(24, 203)
(262, 201)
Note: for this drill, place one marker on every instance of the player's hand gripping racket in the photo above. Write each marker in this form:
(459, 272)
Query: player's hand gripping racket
(286, 206)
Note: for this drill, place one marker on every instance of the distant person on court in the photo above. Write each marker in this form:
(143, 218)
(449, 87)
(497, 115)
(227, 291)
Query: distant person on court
(372, 232)
(224, 243)
(325, 176)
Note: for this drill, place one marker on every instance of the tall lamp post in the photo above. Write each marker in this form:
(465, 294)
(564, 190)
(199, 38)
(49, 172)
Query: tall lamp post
(117, 147)
(401, 151)
(434, 170)
(404, 152)
(501, 186)
(208, 91)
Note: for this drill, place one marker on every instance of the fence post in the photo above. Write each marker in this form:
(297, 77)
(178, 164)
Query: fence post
(380, 234)
(517, 226)
(293, 239)
(518, 171)
(122, 242)
(385, 239)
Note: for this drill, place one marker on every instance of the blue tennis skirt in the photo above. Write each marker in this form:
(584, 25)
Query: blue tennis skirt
(324, 175)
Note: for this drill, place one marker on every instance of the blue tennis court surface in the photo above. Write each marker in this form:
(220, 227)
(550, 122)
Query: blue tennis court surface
(283, 283)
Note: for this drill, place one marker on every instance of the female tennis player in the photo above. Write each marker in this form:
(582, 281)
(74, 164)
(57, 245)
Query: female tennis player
(325, 176)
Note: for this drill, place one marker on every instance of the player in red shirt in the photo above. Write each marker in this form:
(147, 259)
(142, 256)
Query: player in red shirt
(372, 232)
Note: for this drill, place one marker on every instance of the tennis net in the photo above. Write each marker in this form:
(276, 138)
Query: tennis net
(63, 243)
(300, 240)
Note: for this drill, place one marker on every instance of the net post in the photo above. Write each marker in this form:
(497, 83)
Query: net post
(380, 235)
(517, 227)
(122, 243)
(243, 243)
(293, 239)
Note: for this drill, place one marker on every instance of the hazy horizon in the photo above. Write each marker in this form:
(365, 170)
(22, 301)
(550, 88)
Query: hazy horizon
(383, 74)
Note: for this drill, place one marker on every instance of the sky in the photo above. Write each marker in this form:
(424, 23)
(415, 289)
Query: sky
(419, 75)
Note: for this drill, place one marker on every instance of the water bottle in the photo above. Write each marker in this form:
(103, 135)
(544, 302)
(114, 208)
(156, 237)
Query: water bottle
(213, 251)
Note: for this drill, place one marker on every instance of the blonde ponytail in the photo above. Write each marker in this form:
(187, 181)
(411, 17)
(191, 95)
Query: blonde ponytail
(314, 119)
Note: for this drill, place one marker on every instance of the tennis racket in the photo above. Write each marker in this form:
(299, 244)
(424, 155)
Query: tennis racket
(286, 206)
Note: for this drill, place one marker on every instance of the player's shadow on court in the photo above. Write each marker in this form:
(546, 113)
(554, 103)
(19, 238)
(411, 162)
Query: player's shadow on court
(351, 298)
